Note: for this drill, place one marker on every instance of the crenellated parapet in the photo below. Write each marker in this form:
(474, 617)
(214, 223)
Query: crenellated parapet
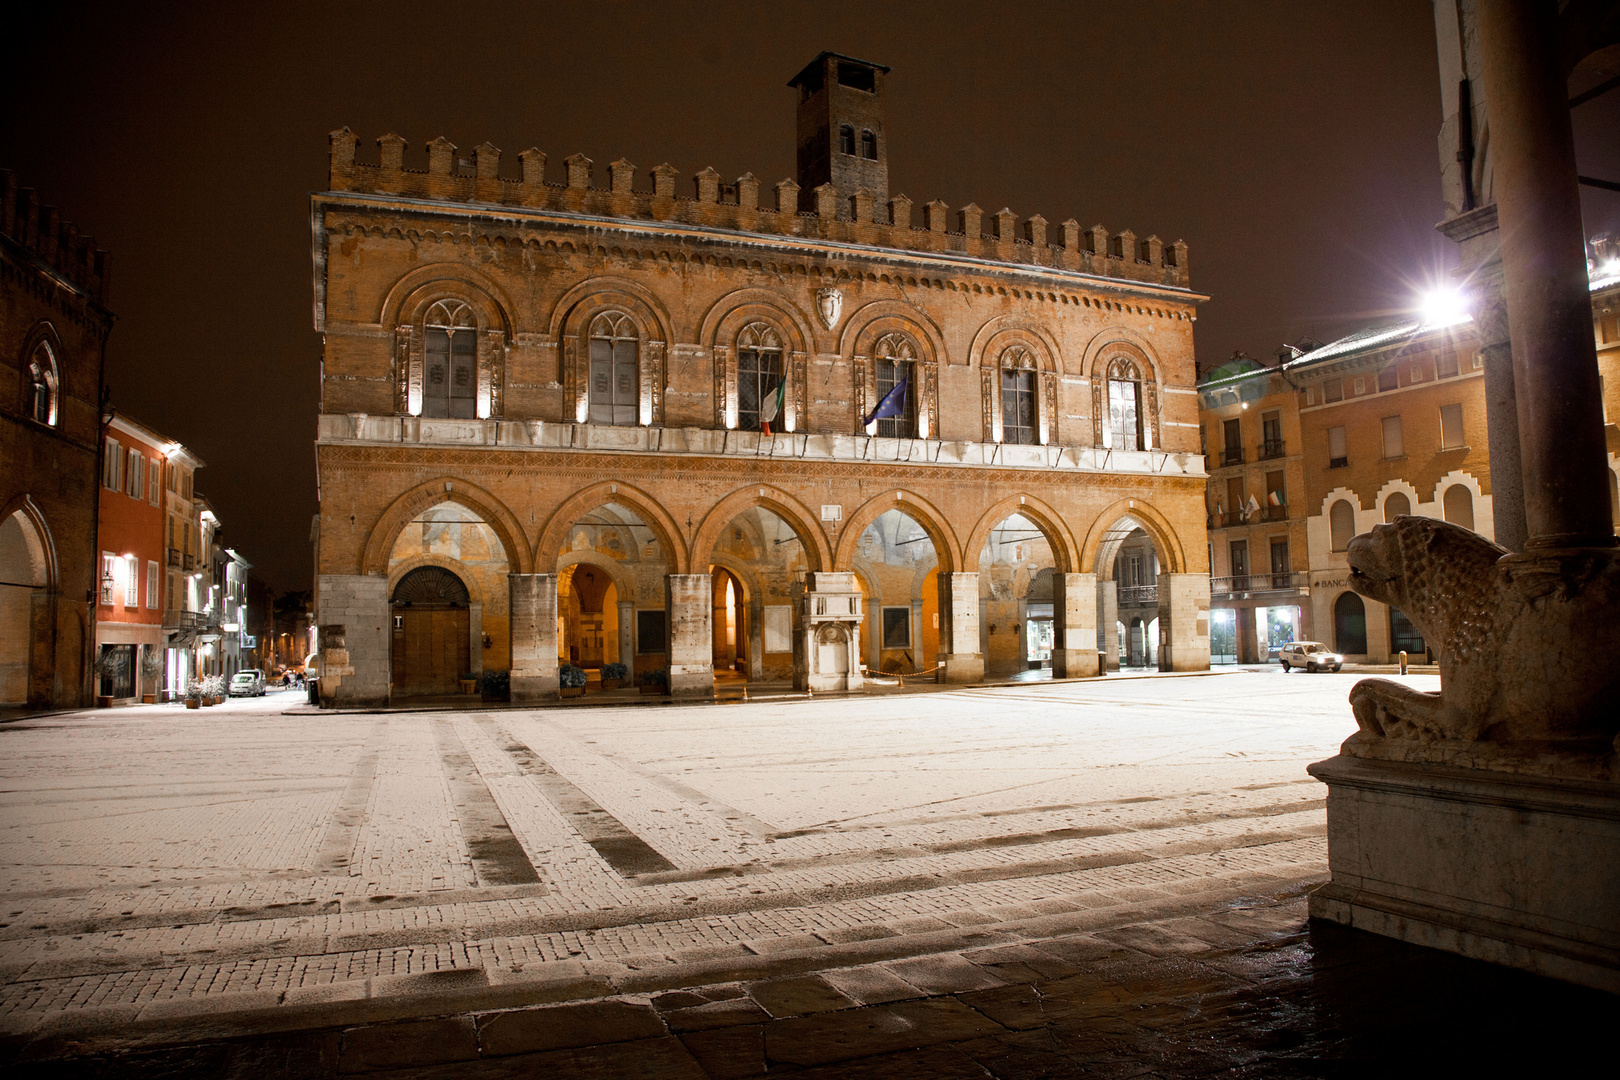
(855, 218)
(41, 231)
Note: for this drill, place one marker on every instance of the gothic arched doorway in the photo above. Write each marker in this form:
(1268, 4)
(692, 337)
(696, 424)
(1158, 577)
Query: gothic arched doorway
(431, 646)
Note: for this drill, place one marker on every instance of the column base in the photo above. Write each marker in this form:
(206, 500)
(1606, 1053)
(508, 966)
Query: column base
(961, 668)
(1075, 663)
(691, 681)
(1518, 870)
(534, 688)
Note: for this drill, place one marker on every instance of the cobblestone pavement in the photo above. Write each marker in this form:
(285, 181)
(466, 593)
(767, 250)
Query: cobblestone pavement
(164, 866)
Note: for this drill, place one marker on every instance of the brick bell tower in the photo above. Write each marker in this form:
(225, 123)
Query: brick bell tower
(841, 134)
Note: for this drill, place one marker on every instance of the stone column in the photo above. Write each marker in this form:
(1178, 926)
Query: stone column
(627, 635)
(534, 636)
(1183, 622)
(354, 608)
(1555, 376)
(687, 600)
(756, 637)
(916, 633)
(1074, 611)
(1108, 615)
(960, 658)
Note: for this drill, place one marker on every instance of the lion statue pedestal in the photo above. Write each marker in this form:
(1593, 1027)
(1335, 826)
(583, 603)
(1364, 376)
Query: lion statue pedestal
(1485, 819)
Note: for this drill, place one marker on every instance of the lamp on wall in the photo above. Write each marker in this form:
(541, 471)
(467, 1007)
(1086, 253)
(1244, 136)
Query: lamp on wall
(488, 642)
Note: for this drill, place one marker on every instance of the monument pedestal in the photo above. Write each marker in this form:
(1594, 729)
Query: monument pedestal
(1510, 867)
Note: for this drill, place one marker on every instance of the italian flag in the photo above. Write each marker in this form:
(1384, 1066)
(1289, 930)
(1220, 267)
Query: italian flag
(771, 407)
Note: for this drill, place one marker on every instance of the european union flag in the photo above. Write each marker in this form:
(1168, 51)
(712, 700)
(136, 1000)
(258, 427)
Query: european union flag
(893, 403)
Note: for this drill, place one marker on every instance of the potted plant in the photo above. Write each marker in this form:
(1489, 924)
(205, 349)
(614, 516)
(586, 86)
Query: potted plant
(614, 675)
(469, 683)
(213, 689)
(655, 681)
(194, 694)
(111, 664)
(151, 669)
(571, 680)
(496, 685)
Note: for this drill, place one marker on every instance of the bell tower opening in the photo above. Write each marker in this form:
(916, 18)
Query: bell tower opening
(841, 138)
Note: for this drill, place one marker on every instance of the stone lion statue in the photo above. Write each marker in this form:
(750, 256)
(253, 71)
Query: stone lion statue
(1529, 645)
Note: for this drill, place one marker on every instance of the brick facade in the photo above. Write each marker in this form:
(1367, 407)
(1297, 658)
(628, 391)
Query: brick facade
(561, 375)
(54, 324)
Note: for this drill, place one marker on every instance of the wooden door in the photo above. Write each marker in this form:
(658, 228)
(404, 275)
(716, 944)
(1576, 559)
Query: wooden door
(431, 650)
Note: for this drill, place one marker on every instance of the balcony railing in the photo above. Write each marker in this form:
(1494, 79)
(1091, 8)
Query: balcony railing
(1276, 513)
(190, 620)
(1272, 448)
(1257, 583)
(1232, 456)
(1137, 595)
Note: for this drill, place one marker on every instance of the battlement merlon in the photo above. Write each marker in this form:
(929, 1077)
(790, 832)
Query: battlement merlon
(40, 231)
(856, 217)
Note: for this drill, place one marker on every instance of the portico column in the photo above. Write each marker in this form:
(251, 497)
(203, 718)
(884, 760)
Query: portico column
(627, 634)
(916, 633)
(534, 636)
(1555, 377)
(1183, 622)
(687, 604)
(1074, 605)
(959, 657)
(1108, 613)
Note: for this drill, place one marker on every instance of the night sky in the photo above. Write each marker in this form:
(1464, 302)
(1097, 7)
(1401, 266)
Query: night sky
(1292, 145)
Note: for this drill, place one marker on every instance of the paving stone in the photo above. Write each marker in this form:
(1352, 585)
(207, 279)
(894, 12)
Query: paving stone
(416, 1042)
(839, 935)
(872, 1029)
(728, 1052)
(1081, 950)
(1156, 940)
(797, 996)
(928, 1063)
(678, 999)
(524, 1031)
(715, 1014)
(870, 985)
(945, 973)
(1030, 963)
(648, 1059)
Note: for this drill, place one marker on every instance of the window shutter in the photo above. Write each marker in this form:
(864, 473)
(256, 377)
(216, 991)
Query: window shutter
(1451, 427)
(1392, 437)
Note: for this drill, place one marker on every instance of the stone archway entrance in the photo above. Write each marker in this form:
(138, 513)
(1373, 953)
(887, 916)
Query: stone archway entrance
(24, 585)
(431, 636)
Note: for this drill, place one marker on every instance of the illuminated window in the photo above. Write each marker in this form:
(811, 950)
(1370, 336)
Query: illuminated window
(109, 576)
(1125, 406)
(759, 373)
(42, 385)
(132, 581)
(450, 373)
(615, 383)
(896, 363)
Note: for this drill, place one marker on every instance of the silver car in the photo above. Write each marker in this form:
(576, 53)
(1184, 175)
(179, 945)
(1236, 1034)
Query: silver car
(247, 684)
(1310, 655)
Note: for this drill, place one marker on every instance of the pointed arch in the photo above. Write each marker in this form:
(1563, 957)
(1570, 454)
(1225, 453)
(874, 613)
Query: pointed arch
(493, 512)
(1065, 553)
(30, 514)
(914, 506)
(785, 506)
(1172, 556)
(652, 514)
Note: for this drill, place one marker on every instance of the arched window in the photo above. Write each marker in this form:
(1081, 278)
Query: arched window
(1124, 405)
(1019, 416)
(450, 373)
(1349, 624)
(846, 140)
(759, 376)
(1396, 504)
(896, 363)
(615, 380)
(1458, 506)
(42, 384)
(1342, 524)
(869, 145)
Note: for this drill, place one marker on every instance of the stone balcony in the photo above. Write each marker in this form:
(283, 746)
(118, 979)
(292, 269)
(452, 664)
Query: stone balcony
(363, 429)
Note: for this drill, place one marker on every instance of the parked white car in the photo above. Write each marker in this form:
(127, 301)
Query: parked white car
(1310, 655)
(247, 684)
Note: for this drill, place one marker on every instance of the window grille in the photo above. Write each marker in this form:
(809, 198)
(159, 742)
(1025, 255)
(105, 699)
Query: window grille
(759, 372)
(896, 362)
(615, 380)
(450, 370)
(1125, 407)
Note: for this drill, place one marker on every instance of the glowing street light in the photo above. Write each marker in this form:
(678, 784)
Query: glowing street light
(1444, 307)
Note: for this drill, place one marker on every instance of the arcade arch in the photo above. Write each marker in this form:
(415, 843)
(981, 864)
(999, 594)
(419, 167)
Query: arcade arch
(447, 574)
(1017, 624)
(757, 560)
(25, 577)
(610, 565)
(1128, 566)
(896, 565)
